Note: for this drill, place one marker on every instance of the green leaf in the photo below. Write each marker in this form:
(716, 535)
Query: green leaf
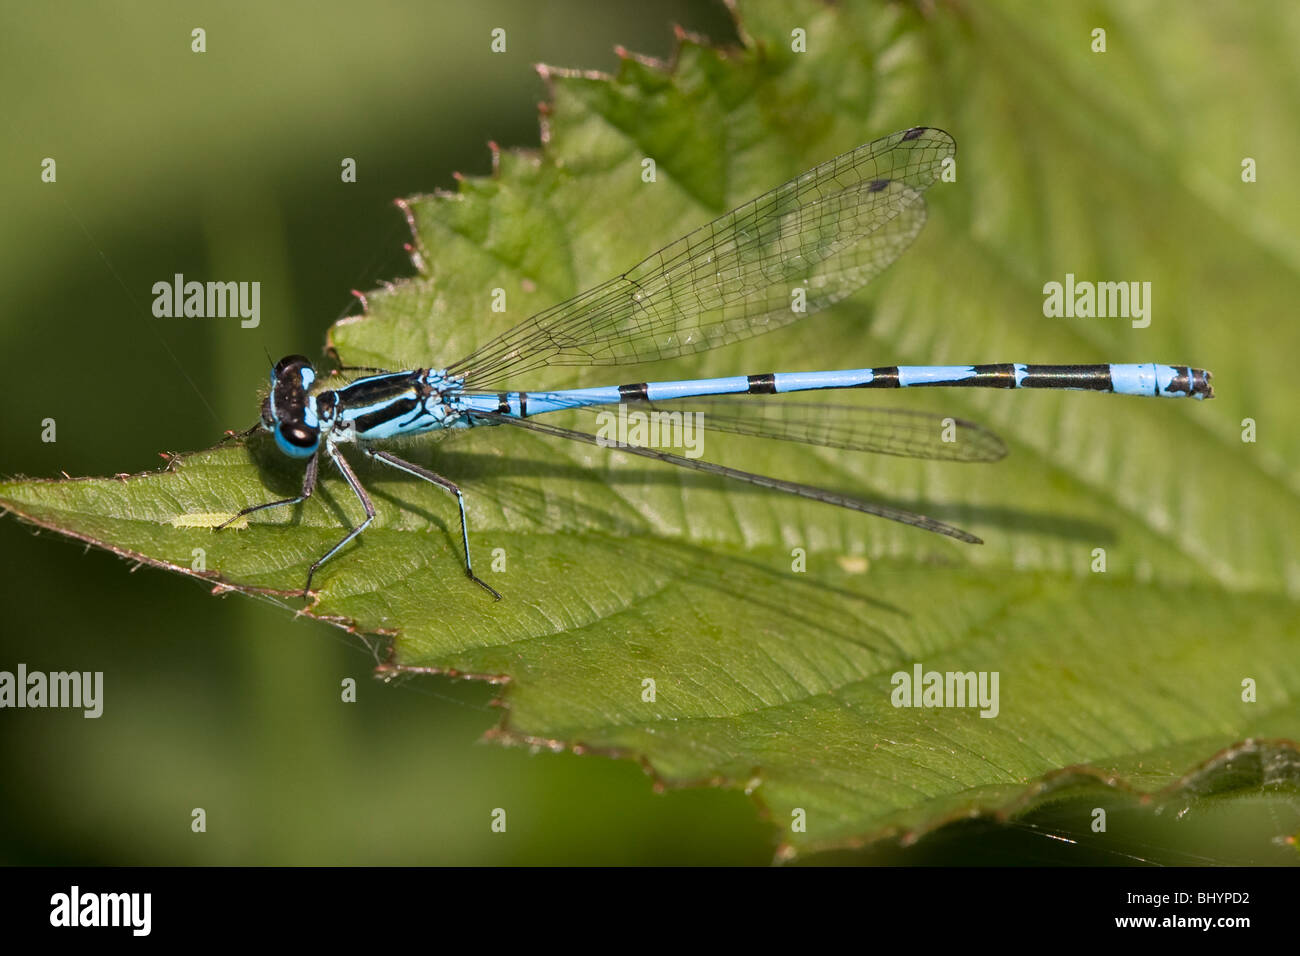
(616, 571)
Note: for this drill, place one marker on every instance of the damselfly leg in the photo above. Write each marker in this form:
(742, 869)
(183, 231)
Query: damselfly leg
(402, 465)
(308, 486)
(360, 492)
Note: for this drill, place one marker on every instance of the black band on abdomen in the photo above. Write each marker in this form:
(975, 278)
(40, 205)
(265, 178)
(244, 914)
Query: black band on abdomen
(1094, 377)
(885, 377)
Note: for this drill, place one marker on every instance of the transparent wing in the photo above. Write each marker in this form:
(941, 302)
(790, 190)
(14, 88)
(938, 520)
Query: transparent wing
(810, 492)
(828, 231)
(886, 431)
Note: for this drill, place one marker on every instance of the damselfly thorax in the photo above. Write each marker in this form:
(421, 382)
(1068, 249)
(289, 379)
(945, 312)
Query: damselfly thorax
(374, 408)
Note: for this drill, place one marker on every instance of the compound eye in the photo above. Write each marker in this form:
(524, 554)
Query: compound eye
(300, 436)
(290, 361)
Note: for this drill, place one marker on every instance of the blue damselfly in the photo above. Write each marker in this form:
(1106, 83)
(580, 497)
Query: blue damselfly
(823, 234)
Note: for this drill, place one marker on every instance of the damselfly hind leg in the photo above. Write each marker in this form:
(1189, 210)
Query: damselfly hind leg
(401, 465)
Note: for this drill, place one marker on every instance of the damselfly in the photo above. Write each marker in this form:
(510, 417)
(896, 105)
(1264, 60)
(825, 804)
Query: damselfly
(794, 250)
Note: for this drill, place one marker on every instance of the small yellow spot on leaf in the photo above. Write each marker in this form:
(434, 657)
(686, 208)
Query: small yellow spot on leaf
(208, 520)
(854, 563)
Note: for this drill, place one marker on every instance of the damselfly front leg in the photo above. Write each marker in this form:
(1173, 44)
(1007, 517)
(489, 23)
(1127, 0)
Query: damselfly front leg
(308, 486)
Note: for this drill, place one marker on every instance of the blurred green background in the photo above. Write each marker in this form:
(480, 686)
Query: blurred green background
(226, 165)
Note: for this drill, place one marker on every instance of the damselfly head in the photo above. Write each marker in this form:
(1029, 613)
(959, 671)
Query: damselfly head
(290, 365)
(289, 411)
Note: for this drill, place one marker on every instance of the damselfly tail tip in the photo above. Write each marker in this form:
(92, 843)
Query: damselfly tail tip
(1185, 381)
